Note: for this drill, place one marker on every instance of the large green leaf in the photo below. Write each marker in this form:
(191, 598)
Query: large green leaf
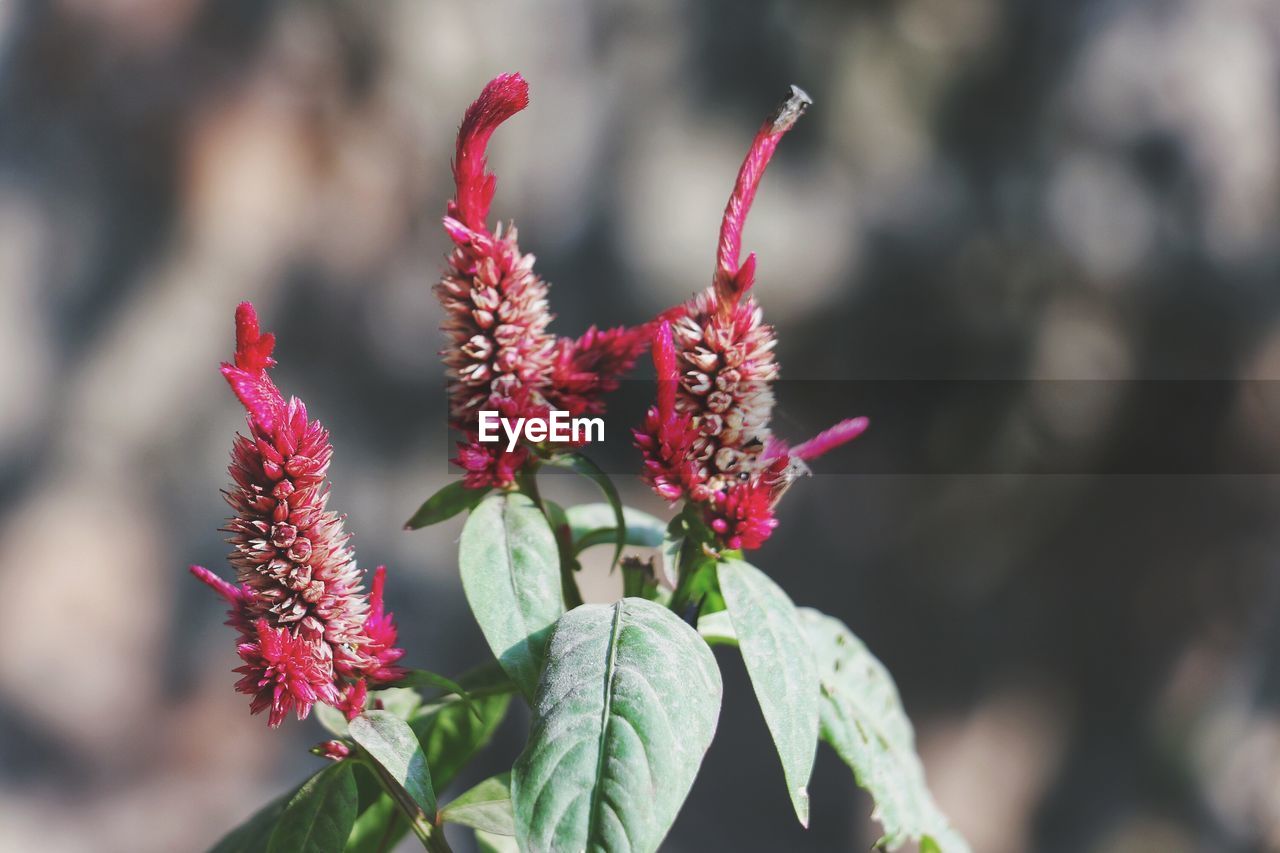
(780, 664)
(399, 757)
(253, 835)
(862, 718)
(318, 818)
(487, 806)
(596, 524)
(445, 504)
(511, 575)
(625, 711)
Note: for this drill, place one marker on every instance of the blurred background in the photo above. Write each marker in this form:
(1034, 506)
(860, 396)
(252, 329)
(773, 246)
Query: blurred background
(1074, 194)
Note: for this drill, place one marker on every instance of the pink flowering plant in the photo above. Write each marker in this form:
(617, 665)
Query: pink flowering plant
(624, 697)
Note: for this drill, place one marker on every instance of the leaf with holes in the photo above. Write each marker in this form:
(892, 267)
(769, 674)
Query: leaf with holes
(624, 713)
(862, 718)
(780, 664)
(511, 574)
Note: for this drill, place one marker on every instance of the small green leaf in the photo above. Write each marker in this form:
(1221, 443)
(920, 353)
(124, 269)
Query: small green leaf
(319, 817)
(780, 664)
(584, 466)
(863, 719)
(487, 806)
(401, 701)
(624, 713)
(253, 835)
(450, 735)
(511, 574)
(423, 678)
(395, 749)
(717, 629)
(445, 504)
(596, 524)
(489, 842)
(334, 721)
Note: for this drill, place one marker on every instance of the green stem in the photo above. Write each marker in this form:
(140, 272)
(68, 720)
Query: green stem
(431, 836)
(528, 483)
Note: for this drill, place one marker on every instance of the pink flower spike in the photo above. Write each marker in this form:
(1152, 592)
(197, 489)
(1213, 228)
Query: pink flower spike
(730, 280)
(829, 439)
(503, 97)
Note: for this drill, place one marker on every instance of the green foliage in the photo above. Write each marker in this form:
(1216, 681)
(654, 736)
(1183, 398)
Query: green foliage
(625, 697)
(487, 807)
(584, 466)
(624, 712)
(780, 664)
(596, 524)
(395, 751)
(453, 499)
(510, 570)
(254, 834)
(319, 816)
(863, 720)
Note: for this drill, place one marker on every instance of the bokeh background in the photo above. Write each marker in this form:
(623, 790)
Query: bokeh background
(984, 189)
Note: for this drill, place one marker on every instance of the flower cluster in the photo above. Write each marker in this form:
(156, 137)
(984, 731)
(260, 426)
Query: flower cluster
(500, 354)
(707, 439)
(307, 631)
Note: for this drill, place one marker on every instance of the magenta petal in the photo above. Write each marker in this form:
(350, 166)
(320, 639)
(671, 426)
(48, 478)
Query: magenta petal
(830, 439)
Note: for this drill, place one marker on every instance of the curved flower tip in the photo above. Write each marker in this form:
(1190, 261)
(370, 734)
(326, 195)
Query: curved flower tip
(732, 280)
(247, 376)
(253, 349)
(503, 97)
(829, 439)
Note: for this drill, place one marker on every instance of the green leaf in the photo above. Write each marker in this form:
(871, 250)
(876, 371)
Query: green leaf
(445, 504)
(318, 818)
(624, 713)
(450, 735)
(423, 678)
(596, 524)
(377, 829)
(253, 835)
(511, 575)
(584, 466)
(489, 842)
(334, 721)
(487, 806)
(863, 719)
(717, 629)
(401, 701)
(394, 748)
(779, 661)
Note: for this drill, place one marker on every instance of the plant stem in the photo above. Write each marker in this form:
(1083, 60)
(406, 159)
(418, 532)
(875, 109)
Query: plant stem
(431, 836)
(564, 544)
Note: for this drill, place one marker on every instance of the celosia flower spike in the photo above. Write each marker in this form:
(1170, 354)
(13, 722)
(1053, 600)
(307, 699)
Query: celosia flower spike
(503, 97)
(307, 632)
(500, 355)
(732, 280)
(708, 438)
